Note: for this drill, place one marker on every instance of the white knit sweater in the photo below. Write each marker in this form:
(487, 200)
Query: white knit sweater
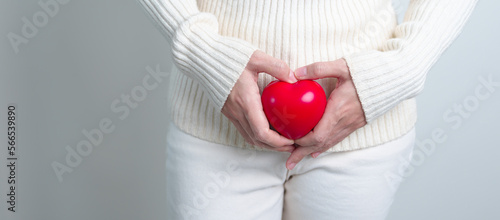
(212, 41)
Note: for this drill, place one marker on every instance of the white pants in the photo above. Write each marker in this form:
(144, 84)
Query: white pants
(213, 181)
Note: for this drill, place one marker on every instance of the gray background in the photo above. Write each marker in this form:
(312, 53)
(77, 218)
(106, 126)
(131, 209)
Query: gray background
(91, 52)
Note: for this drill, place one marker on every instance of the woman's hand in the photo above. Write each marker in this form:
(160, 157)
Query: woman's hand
(244, 107)
(343, 113)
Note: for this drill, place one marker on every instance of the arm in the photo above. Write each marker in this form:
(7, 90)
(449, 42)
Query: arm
(227, 68)
(199, 51)
(397, 72)
(372, 82)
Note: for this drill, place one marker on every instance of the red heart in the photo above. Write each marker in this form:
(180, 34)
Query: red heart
(293, 109)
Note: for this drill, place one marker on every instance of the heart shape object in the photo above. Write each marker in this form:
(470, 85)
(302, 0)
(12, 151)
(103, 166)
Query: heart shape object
(293, 109)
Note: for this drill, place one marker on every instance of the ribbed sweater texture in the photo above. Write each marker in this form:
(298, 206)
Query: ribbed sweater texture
(213, 40)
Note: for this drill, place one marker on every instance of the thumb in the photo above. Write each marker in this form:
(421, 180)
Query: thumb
(319, 70)
(262, 62)
(297, 155)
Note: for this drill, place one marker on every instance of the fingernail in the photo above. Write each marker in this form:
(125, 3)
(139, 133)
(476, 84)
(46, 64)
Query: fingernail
(315, 154)
(292, 77)
(300, 72)
(291, 166)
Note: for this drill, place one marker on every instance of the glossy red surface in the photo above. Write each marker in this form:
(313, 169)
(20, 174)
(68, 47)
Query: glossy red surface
(293, 109)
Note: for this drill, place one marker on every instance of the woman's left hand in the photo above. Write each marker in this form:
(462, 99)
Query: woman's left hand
(343, 113)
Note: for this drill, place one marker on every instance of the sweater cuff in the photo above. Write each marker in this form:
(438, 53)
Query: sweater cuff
(377, 90)
(396, 71)
(213, 60)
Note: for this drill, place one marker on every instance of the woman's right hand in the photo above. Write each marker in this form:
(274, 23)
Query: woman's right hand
(244, 108)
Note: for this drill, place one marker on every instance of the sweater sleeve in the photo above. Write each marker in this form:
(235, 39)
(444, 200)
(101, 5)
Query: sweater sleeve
(199, 51)
(396, 72)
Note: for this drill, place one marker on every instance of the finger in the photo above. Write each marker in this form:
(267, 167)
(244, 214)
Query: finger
(325, 140)
(246, 127)
(251, 136)
(234, 117)
(288, 148)
(243, 131)
(262, 62)
(316, 154)
(337, 69)
(319, 134)
(254, 141)
(256, 125)
(297, 155)
(327, 125)
(262, 133)
(308, 140)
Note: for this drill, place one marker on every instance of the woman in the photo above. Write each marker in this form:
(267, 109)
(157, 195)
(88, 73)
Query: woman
(223, 160)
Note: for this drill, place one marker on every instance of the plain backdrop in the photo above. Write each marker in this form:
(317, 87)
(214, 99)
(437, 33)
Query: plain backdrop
(87, 56)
